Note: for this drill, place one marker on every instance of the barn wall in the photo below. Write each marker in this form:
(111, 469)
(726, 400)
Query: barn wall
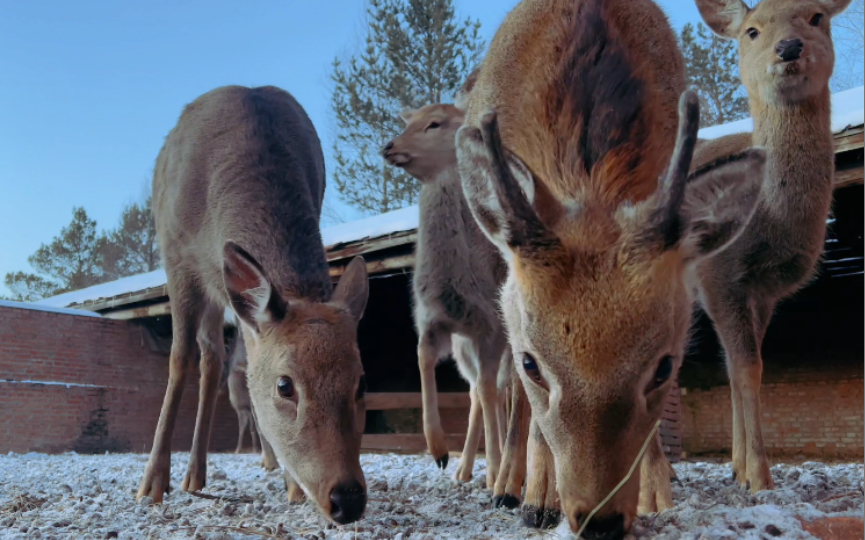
(117, 383)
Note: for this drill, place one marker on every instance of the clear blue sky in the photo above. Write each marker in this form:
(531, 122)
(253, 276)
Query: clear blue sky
(89, 89)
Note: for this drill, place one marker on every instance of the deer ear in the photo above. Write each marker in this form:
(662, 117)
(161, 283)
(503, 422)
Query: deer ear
(834, 7)
(252, 296)
(500, 190)
(352, 291)
(406, 115)
(724, 17)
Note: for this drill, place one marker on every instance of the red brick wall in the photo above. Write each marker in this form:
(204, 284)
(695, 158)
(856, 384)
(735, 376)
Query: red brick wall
(117, 408)
(800, 417)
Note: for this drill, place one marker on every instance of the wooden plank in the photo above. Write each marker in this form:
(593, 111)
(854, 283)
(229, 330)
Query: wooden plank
(850, 139)
(124, 299)
(153, 310)
(849, 177)
(390, 401)
(376, 267)
(352, 249)
(410, 442)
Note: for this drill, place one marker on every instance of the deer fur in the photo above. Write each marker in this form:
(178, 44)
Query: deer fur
(455, 283)
(237, 194)
(574, 167)
(786, 58)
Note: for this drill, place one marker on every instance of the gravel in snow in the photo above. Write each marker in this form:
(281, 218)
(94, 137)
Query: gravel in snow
(93, 497)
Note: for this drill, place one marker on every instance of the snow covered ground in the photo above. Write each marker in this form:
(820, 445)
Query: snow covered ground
(92, 497)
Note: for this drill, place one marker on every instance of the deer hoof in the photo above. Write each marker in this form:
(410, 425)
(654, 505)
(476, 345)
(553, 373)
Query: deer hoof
(540, 518)
(506, 501)
(442, 462)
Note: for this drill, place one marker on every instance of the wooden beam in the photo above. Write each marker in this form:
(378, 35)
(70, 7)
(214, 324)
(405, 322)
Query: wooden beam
(153, 310)
(352, 249)
(390, 401)
(409, 442)
(850, 139)
(849, 177)
(376, 267)
(124, 299)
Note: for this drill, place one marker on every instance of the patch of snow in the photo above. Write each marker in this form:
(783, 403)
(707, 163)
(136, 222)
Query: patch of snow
(93, 496)
(848, 110)
(51, 308)
(129, 284)
(52, 383)
(404, 219)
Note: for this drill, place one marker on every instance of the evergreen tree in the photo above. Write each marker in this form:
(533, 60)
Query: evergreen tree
(71, 261)
(131, 248)
(416, 53)
(712, 66)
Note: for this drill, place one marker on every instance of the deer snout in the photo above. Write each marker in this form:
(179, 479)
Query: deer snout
(608, 527)
(789, 49)
(347, 502)
(387, 148)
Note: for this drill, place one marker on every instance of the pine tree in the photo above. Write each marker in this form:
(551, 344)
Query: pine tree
(71, 261)
(131, 248)
(712, 66)
(416, 53)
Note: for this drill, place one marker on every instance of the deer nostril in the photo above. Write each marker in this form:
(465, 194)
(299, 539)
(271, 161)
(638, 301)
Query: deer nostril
(789, 49)
(388, 146)
(347, 502)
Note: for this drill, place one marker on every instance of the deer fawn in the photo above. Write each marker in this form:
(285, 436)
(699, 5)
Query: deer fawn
(573, 166)
(456, 281)
(786, 59)
(237, 191)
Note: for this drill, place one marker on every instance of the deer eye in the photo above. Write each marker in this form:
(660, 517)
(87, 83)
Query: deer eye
(285, 387)
(753, 33)
(531, 368)
(433, 125)
(662, 373)
(361, 387)
(816, 19)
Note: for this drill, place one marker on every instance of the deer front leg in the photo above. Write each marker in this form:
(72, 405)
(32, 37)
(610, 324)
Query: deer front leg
(488, 393)
(157, 475)
(212, 351)
(541, 509)
(473, 435)
(656, 494)
(253, 432)
(293, 491)
(512, 474)
(268, 458)
(242, 423)
(428, 355)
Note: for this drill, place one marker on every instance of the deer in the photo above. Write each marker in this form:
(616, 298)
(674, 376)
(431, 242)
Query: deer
(455, 282)
(238, 394)
(786, 58)
(238, 187)
(575, 159)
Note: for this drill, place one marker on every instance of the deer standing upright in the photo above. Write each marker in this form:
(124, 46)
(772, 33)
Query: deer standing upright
(456, 281)
(573, 166)
(237, 194)
(786, 58)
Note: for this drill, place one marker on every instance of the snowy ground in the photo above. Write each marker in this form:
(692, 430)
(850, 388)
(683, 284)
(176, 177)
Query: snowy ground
(76, 496)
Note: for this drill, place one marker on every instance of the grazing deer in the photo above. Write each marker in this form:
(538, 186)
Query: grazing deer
(456, 281)
(786, 59)
(573, 166)
(237, 191)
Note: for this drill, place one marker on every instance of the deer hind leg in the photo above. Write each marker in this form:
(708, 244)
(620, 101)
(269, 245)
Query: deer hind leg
(656, 493)
(186, 302)
(541, 509)
(210, 342)
(741, 325)
(473, 436)
(433, 341)
(512, 474)
(242, 423)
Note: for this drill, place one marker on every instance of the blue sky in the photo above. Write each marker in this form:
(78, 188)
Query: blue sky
(90, 89)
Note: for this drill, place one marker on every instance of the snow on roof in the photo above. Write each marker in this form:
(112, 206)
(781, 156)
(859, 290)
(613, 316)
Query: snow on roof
(49, 308)
(848, 109)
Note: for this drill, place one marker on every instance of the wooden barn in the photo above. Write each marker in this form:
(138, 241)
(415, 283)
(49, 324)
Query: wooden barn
(813, 380)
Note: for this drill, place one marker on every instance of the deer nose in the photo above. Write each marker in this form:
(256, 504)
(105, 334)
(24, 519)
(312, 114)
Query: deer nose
(789, 49)
(347, 502)
(387, 147)
(610, 527)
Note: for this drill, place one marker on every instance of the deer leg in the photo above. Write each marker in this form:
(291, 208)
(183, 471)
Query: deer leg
(212, 351)
(489, 357)
(656, 493)
(253, 432)
(473, 435)
(242, 422)
(741, 325)
(431, 344)
(541, 509)
(293, 491)
(187, 316)
(509, 484)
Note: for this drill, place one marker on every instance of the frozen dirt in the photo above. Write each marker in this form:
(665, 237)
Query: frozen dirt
(78, 496)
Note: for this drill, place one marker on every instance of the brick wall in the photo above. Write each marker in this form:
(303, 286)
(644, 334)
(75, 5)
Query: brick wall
(117, 383)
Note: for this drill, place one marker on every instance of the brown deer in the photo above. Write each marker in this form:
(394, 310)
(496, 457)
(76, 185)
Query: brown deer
(786, 58)
(456, 279)
(238, 394)
(238, 187)
(573, 166)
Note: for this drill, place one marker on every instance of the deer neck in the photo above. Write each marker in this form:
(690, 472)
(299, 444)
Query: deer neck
(801, 163)
(444, 216)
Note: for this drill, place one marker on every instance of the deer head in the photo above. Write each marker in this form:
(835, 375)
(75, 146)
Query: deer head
(306, 379)
(785, 46)
(426, 146)
(596, 302)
